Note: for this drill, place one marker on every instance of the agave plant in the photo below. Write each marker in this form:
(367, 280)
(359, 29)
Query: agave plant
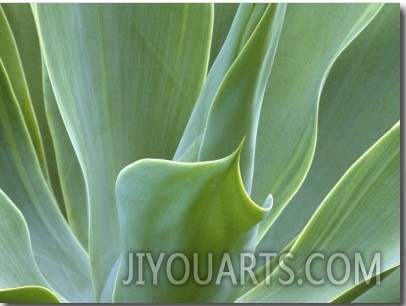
(199, 129)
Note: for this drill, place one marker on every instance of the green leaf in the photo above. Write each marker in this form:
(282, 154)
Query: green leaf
(228, 109)
(268, 265)
(382, 288)
(56, 251)
(28, 294)
(368, 193)
(189, 146)
(17, 264)
(22, 25)
(190, 208)
(133, 72)
(359, 102)
(11, 60)
(71, 179)
(234, 112)
(389, 291)
(313, 36)
(223, 17)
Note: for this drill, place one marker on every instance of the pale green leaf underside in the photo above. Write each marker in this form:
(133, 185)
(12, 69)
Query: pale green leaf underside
(214, 215)
(367, 194)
